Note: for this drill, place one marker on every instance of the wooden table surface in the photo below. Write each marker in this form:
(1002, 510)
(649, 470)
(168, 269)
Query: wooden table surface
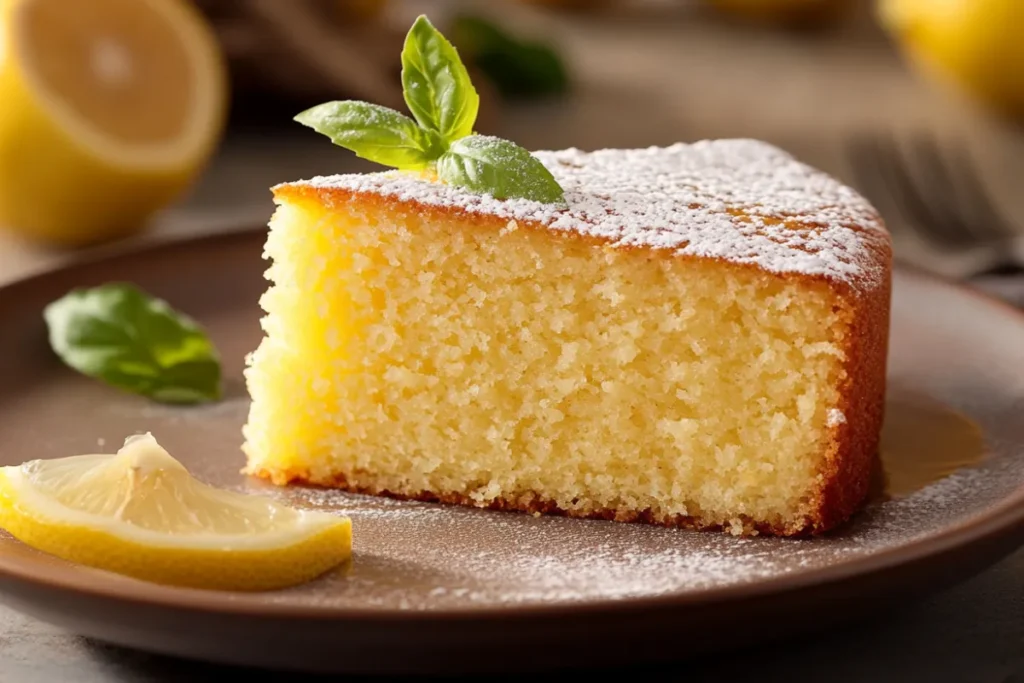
(642, 79)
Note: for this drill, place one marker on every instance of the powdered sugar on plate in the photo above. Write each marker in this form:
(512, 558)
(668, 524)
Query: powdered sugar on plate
(419, 556)
(739, 200)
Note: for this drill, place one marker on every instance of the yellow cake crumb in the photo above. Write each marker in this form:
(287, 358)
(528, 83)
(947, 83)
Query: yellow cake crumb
(434, 354)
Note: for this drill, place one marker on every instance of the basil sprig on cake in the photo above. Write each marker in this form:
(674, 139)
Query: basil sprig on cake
(439, 137)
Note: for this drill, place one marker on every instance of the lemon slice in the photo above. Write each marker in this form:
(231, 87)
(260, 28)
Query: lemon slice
(140, 513)
(110, 108)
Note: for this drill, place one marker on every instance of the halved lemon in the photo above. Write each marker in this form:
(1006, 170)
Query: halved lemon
(110, 109)
(140, 513)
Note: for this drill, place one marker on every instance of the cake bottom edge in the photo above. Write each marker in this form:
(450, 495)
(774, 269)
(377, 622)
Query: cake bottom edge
(533, 504)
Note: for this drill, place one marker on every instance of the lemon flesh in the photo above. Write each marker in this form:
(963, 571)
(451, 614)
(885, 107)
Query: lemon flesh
(111, 108)
(140, 513)
(974, 46)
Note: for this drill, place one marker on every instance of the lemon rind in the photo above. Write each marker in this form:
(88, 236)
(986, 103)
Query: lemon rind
(206, 114)
(27, 501)
(225, 567)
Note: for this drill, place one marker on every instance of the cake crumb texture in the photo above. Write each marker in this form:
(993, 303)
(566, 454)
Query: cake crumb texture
(426, 345)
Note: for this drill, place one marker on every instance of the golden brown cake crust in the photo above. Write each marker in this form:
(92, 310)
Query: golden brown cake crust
(862, 291)
(854, 456)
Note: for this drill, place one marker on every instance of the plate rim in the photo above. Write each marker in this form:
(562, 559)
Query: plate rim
(1001, 520)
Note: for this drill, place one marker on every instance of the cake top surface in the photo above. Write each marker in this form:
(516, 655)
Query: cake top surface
(738, 200)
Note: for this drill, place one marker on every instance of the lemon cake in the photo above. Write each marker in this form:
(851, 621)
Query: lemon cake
(697, 339)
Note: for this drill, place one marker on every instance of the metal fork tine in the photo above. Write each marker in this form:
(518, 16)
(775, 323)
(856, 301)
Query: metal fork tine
(926, 216)
(932, 191)
(989, 224)
(867, 170)
(939, 192)
(861, 164)
(936, 194)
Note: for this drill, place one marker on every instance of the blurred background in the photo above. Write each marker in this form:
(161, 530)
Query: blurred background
(919, 104)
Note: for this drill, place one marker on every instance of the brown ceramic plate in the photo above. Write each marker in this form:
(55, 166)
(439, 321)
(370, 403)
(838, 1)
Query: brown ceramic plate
(435, 588)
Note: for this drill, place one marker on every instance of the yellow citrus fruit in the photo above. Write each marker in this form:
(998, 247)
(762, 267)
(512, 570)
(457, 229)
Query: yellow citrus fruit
(976, 46)
(140, 513)
(110, 109)
(795, 12)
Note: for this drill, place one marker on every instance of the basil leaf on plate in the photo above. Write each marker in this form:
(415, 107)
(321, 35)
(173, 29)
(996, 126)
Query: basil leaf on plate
(435, 83)
(375, 133)
(500, 168)
(120, 335)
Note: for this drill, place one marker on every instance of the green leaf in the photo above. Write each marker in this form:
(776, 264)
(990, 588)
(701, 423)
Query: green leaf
(518, 68)
(500, 168)
(118, 334)
(374, 133)
(436, 84)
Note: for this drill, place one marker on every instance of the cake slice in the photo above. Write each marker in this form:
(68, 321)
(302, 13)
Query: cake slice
(698, 340)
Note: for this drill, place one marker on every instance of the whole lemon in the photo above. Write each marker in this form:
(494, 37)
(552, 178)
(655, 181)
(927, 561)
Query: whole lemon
(975, 45)
(110, 110)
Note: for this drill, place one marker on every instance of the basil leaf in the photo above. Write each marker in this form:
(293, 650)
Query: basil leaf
(120, 335)
(500, 168)
(436, 84)
(518, 68)
(374, 133)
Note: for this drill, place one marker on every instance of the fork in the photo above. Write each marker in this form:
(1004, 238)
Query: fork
(933, 192)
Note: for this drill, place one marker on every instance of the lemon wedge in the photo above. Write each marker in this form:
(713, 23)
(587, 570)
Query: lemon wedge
(139, 512)
(110, 110)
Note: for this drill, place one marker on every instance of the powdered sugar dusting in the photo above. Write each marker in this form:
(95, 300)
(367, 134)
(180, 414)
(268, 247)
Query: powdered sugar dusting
(420, 556)
(740, 200)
